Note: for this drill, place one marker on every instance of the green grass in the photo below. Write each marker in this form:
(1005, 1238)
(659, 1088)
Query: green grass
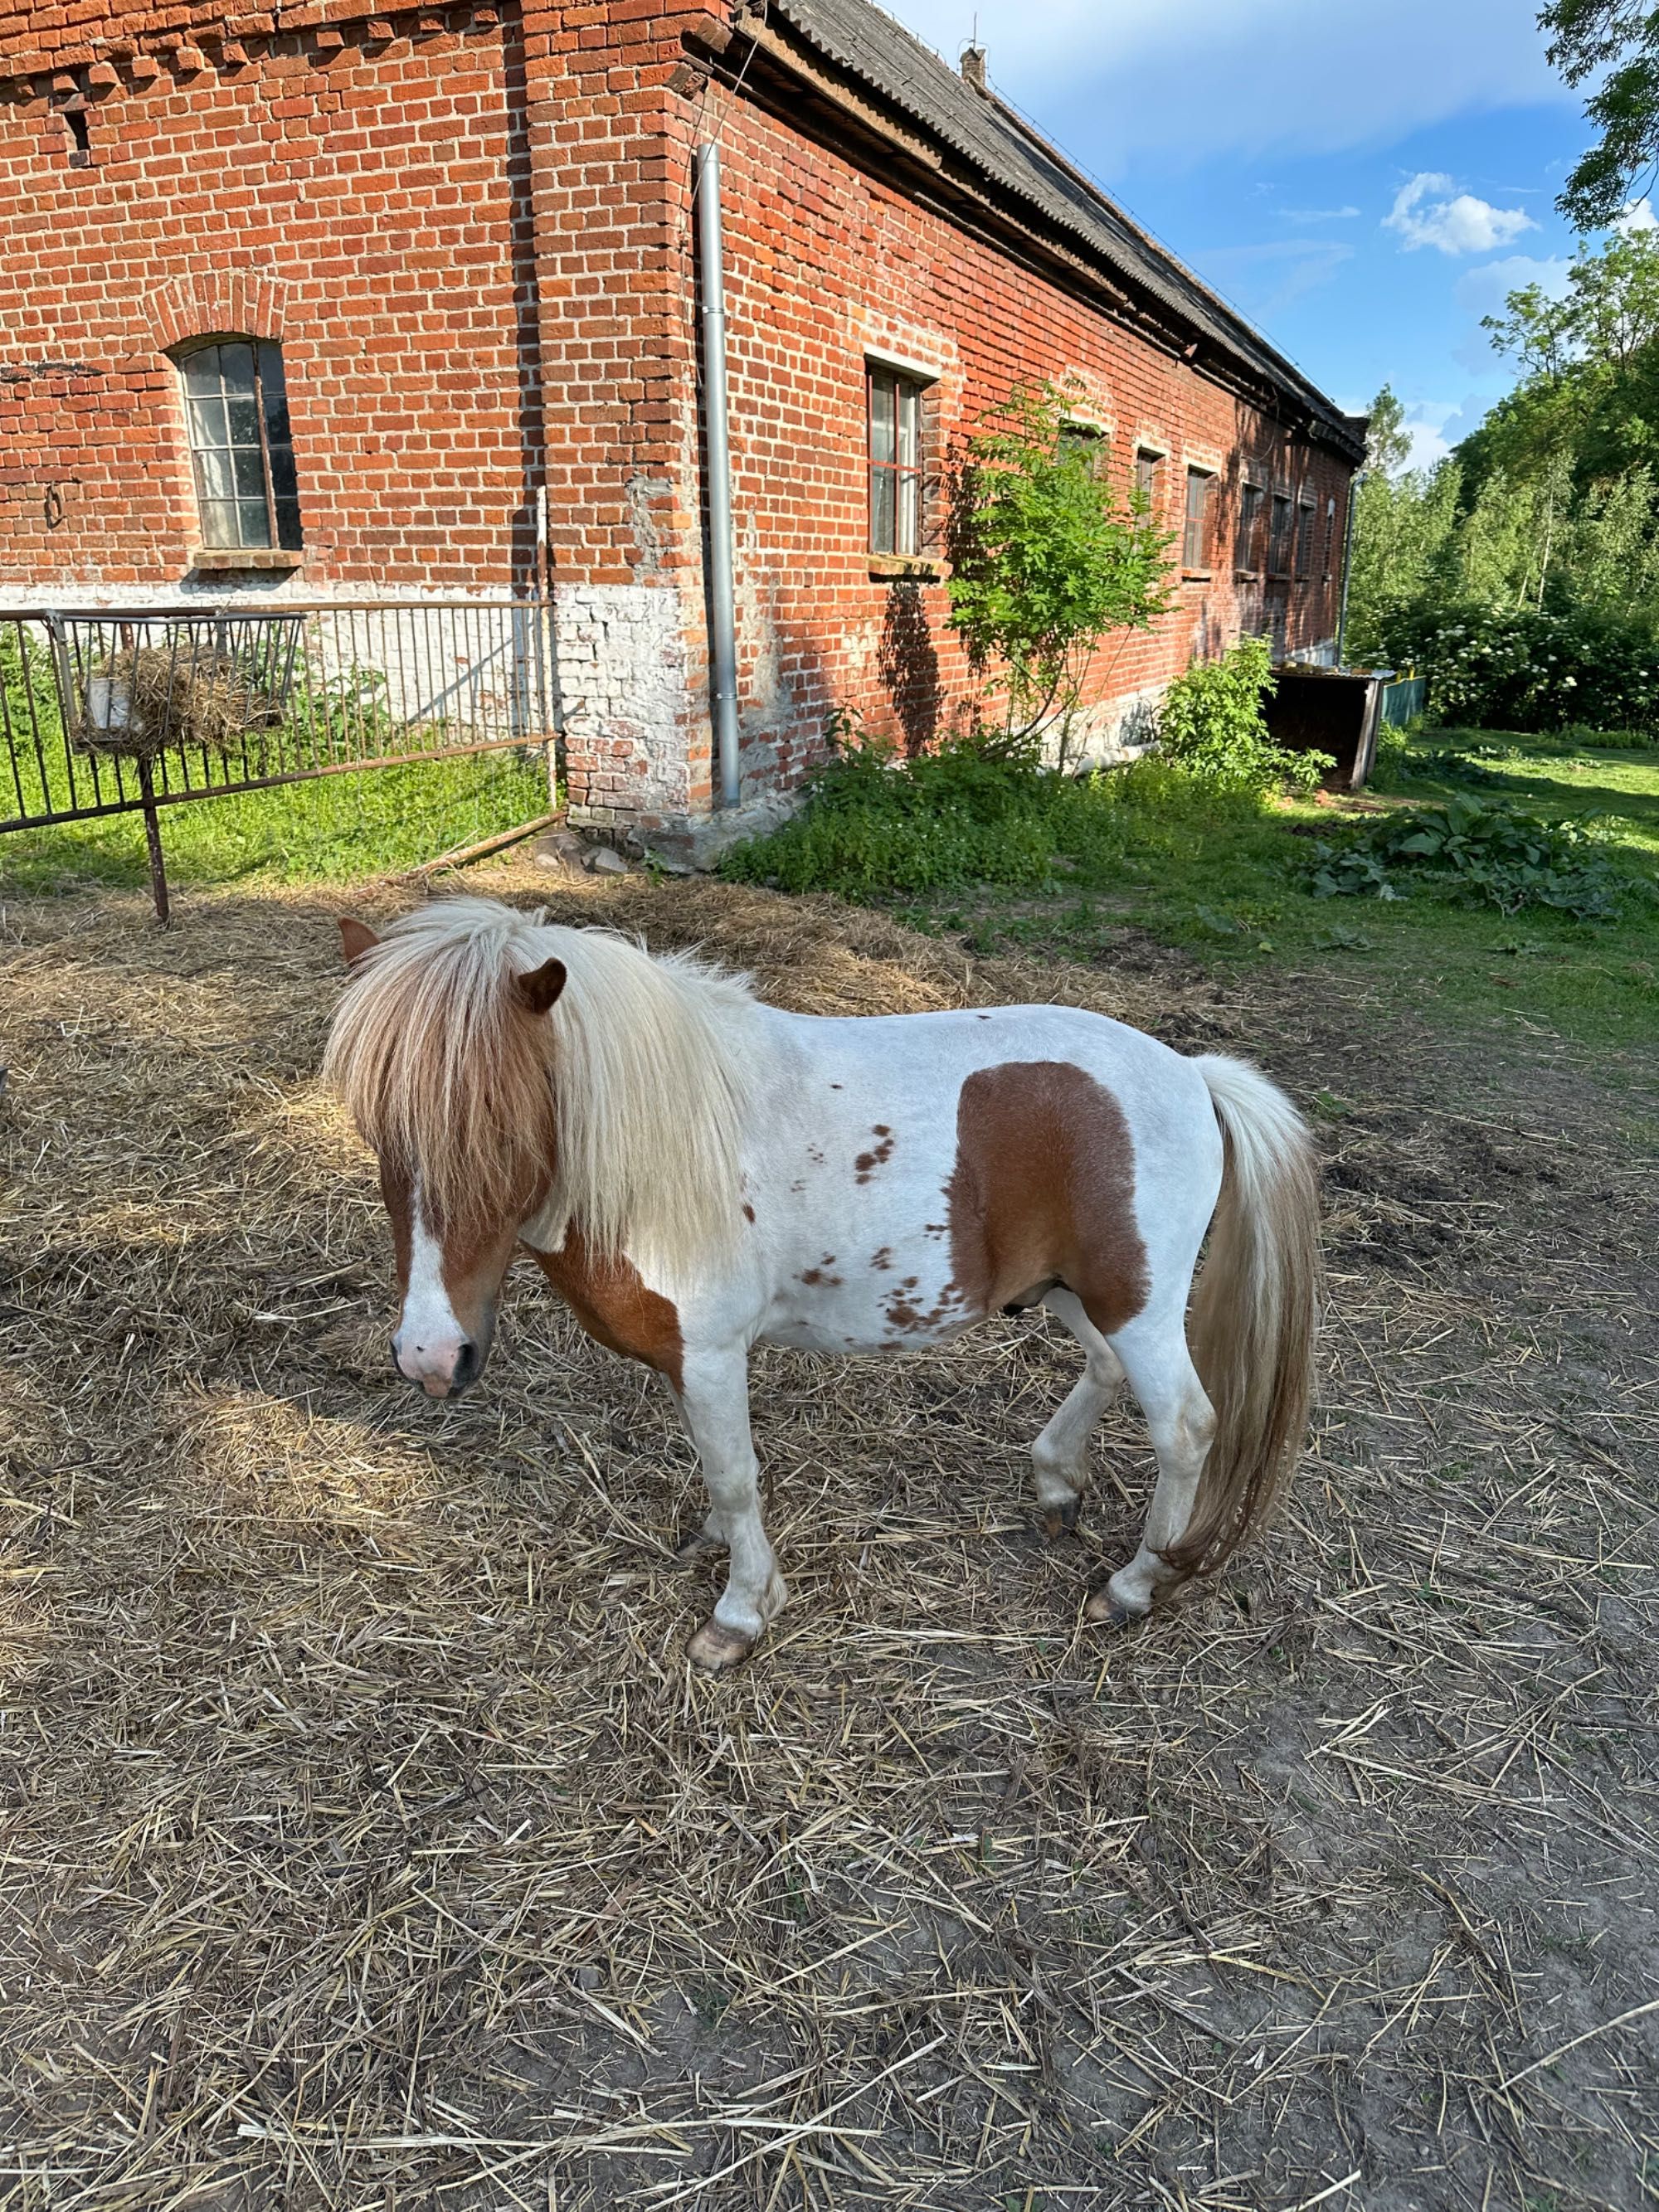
(335, 828)
(1226, 880)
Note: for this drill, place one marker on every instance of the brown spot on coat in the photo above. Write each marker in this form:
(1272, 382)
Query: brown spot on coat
(615, 1306)
(1043, 1191)
(868, 1162)
(748, 1213)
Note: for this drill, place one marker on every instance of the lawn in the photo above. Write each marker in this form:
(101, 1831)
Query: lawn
(1228, 884)
(336, 828)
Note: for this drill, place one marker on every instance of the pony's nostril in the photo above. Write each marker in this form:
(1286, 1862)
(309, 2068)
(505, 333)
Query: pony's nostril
(468, 1361)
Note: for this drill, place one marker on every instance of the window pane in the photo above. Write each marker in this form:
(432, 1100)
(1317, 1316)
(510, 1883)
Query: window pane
(283, 481)
(207, 419)
(882, 439)
(288, 524)
(244, 417)
(881, 511)
(250, 472)
(201, 370)
(909, 420)
(236, 367)
(254, 521)
(909, 514)
(218, 523)
(213, 474)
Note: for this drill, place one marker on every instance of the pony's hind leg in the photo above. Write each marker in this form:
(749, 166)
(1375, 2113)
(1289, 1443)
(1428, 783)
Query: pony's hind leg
(714, 1401)
(1161, 1374)
(1060, 1454)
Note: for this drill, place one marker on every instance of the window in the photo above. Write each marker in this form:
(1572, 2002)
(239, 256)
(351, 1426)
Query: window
(1330, 535)
(895, 512)
(1279, 537)
(1195, 539)
(241, 451)
(1084, 441)
(1146, 481)
(1249, 518)
(1304, 523)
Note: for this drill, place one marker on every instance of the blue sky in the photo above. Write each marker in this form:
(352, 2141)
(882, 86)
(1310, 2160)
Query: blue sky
(1363, 179)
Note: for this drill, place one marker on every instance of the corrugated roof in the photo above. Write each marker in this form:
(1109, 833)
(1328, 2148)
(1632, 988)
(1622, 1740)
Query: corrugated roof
(868, 44)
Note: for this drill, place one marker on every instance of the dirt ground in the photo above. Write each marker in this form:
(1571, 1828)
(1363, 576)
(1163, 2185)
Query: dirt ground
(369, 1846)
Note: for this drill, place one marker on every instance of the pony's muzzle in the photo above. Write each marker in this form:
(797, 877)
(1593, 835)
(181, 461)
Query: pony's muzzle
(441, 1370)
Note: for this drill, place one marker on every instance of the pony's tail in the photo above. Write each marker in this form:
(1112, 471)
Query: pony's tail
(1255, 1313)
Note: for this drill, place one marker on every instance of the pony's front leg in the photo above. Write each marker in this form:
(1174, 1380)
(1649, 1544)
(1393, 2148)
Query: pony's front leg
(714, 1401)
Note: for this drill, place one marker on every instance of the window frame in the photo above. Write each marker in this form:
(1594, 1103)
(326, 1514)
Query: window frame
(269, 398)
(1199, 564)
(901, 383)
(1252, 497)
(1281, 531)
(1148, 461)
(1306, 509)
(1090, 440)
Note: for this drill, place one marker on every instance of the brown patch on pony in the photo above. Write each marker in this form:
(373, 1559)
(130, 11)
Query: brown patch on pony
(748, 1211)
(615, 1306)
(1043, 1191)
(868, 1162)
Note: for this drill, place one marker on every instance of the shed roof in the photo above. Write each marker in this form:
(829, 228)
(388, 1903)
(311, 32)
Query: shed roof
(867, 43)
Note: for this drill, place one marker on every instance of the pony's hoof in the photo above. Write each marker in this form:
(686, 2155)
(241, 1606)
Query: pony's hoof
(1104, 1611)
(717, 1649)
(1060, 1521)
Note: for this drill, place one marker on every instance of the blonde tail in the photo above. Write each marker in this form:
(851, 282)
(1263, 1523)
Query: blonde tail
(1255, 1313)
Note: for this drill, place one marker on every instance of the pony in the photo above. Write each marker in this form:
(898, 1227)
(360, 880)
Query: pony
(695, 1171)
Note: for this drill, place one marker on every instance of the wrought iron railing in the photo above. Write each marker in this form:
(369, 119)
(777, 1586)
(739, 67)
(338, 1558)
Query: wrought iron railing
(128, 710)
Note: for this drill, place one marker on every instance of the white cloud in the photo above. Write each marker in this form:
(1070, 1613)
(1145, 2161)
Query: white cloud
(1456, 222)
(1319, 215)
(1637, 215)
(1483, 291)
(1186, 80)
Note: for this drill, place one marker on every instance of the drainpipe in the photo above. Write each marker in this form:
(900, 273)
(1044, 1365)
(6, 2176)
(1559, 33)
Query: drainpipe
(722, 620)
(1354, 483)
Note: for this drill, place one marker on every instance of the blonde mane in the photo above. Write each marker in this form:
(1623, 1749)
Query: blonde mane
(631, 1085)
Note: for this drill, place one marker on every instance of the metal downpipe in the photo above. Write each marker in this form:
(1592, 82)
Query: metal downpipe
(722, 610)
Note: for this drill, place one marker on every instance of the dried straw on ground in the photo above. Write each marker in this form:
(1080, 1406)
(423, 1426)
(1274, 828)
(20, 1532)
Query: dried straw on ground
(369, 1843)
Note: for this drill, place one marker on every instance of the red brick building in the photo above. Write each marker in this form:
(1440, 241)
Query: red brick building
(323, 301)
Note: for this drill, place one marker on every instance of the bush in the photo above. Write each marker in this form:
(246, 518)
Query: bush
(1477, 855)
(1212, 724)
(1520, 668)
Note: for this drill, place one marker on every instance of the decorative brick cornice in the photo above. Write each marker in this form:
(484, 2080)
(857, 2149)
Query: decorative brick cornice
(248, 302)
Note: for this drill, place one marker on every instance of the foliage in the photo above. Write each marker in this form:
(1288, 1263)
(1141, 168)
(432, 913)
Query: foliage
(875, 826)
(1617, 42)
(1046, 564)
(1403, 521)
(1519, 669)
(1475, 855)
(1212, 724)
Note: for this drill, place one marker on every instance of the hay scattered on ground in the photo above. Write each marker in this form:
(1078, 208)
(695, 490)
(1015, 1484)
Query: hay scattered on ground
(370, 1844)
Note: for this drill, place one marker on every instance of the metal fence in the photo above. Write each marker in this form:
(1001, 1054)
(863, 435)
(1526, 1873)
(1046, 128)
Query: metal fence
(1404, 697)
(129, 710)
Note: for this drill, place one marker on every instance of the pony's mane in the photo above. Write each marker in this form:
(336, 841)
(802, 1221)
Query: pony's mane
(631, 1083)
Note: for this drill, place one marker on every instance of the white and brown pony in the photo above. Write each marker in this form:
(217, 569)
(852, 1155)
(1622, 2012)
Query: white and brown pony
(696, 1172)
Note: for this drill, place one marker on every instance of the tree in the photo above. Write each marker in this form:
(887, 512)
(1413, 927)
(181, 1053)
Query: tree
(1622, 37)
(1403, 523)
(1046, 564)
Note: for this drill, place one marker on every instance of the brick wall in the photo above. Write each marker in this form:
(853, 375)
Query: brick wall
(360, 194)
(471, 231)
(826, 263)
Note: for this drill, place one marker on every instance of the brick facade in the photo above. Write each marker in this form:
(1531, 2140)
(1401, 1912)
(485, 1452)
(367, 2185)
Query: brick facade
(471, 231)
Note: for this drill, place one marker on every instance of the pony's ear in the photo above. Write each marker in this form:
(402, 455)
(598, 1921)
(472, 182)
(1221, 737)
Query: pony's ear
(356, 939)
(539, 989)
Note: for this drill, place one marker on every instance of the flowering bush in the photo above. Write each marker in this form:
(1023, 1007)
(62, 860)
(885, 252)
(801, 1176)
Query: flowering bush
(1520, 668)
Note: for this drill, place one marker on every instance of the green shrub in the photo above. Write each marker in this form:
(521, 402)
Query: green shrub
(1212, 724)
(1526, 669)
(1476, 854)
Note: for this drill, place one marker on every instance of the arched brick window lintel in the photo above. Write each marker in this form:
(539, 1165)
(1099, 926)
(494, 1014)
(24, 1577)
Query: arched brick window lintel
(217, 303)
